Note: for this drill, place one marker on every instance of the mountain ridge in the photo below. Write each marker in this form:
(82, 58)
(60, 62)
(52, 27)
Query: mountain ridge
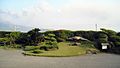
(6, 26)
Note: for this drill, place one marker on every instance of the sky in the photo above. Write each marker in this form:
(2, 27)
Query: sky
(62, 14)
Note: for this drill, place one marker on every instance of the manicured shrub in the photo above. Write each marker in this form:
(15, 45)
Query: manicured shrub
(49, 47)
(37, 51)
(60, 40)
(50, 43)
(87, 44)
(103, 40)
(43, 48)
(117, 44)
(18, 46)
(29, 48)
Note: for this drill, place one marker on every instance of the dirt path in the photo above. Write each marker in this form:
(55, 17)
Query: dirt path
(14, 59)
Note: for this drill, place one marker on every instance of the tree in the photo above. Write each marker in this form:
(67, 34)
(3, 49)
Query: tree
(100, 37)
(112, 36)
(50, 42)
(85, 34)
(63, 35)
(4, 41)
(103, 38)
(13, 36)
(32, 37)
(108, 32)
(118, 33)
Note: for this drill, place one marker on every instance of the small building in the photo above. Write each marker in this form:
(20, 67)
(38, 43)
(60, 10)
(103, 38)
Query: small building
(76, 40)
(105, 46)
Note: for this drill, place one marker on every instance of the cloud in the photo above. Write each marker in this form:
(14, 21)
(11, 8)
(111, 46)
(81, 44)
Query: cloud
(76, 14)
(7, 16)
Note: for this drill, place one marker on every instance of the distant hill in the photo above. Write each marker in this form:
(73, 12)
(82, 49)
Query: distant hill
(5, 26)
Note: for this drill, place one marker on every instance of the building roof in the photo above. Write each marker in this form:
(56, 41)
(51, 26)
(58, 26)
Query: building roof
(78, 38)
(104, 44)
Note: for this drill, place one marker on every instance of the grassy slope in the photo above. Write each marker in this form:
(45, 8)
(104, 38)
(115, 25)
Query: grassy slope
(64, 50)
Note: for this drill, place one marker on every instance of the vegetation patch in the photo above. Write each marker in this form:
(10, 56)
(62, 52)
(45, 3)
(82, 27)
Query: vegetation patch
(64, 51)
(29, 48)
(54, 43)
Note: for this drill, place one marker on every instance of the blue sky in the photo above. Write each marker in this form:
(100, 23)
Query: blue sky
(16, 4)
(62, 14)
(19, 4)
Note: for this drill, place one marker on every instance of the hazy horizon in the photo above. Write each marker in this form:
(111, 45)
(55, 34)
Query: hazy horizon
(62, 14)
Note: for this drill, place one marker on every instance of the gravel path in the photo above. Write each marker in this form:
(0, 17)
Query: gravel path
(14, 59)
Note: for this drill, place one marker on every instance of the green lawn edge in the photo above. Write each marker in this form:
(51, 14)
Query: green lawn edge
(63, 51)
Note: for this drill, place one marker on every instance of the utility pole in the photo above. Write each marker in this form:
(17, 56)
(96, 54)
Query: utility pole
(15, 28)
(96, 27)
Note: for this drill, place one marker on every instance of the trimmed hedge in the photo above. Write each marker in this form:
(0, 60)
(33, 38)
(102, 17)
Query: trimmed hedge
(49, 47)
(36, 51)
(29, 48)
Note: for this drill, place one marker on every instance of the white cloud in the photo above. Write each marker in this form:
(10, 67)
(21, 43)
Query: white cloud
(77, 14)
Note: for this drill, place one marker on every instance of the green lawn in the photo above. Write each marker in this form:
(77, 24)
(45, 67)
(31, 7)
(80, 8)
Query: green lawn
(1, 47)
(64, 50)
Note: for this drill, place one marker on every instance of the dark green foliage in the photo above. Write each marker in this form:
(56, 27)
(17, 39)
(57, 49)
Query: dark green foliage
(109, 37)
(49, 47)
(13, 36)
(108, 32)
(9, 36)
(87, 44)
(36, 51)
(60, 39)
(4, 34)
(63, 35)
(115, 38)
(33, 37)
(85, 34)
(112, 36)
(4, 39)
(103, 38)
(50, 42)
(100, 37)
(9, 39)
(117, 44)
(118, 34)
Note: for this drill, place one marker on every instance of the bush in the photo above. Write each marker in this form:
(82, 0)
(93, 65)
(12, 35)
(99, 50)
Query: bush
(37, 51)
(18, 46)
(43, 48)
(117, 43)
(87, 44)
(50, 43)
(115, 38)
(4, 39)
(103, 40)
(29, 48)
(60, 40)
(49, 47)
